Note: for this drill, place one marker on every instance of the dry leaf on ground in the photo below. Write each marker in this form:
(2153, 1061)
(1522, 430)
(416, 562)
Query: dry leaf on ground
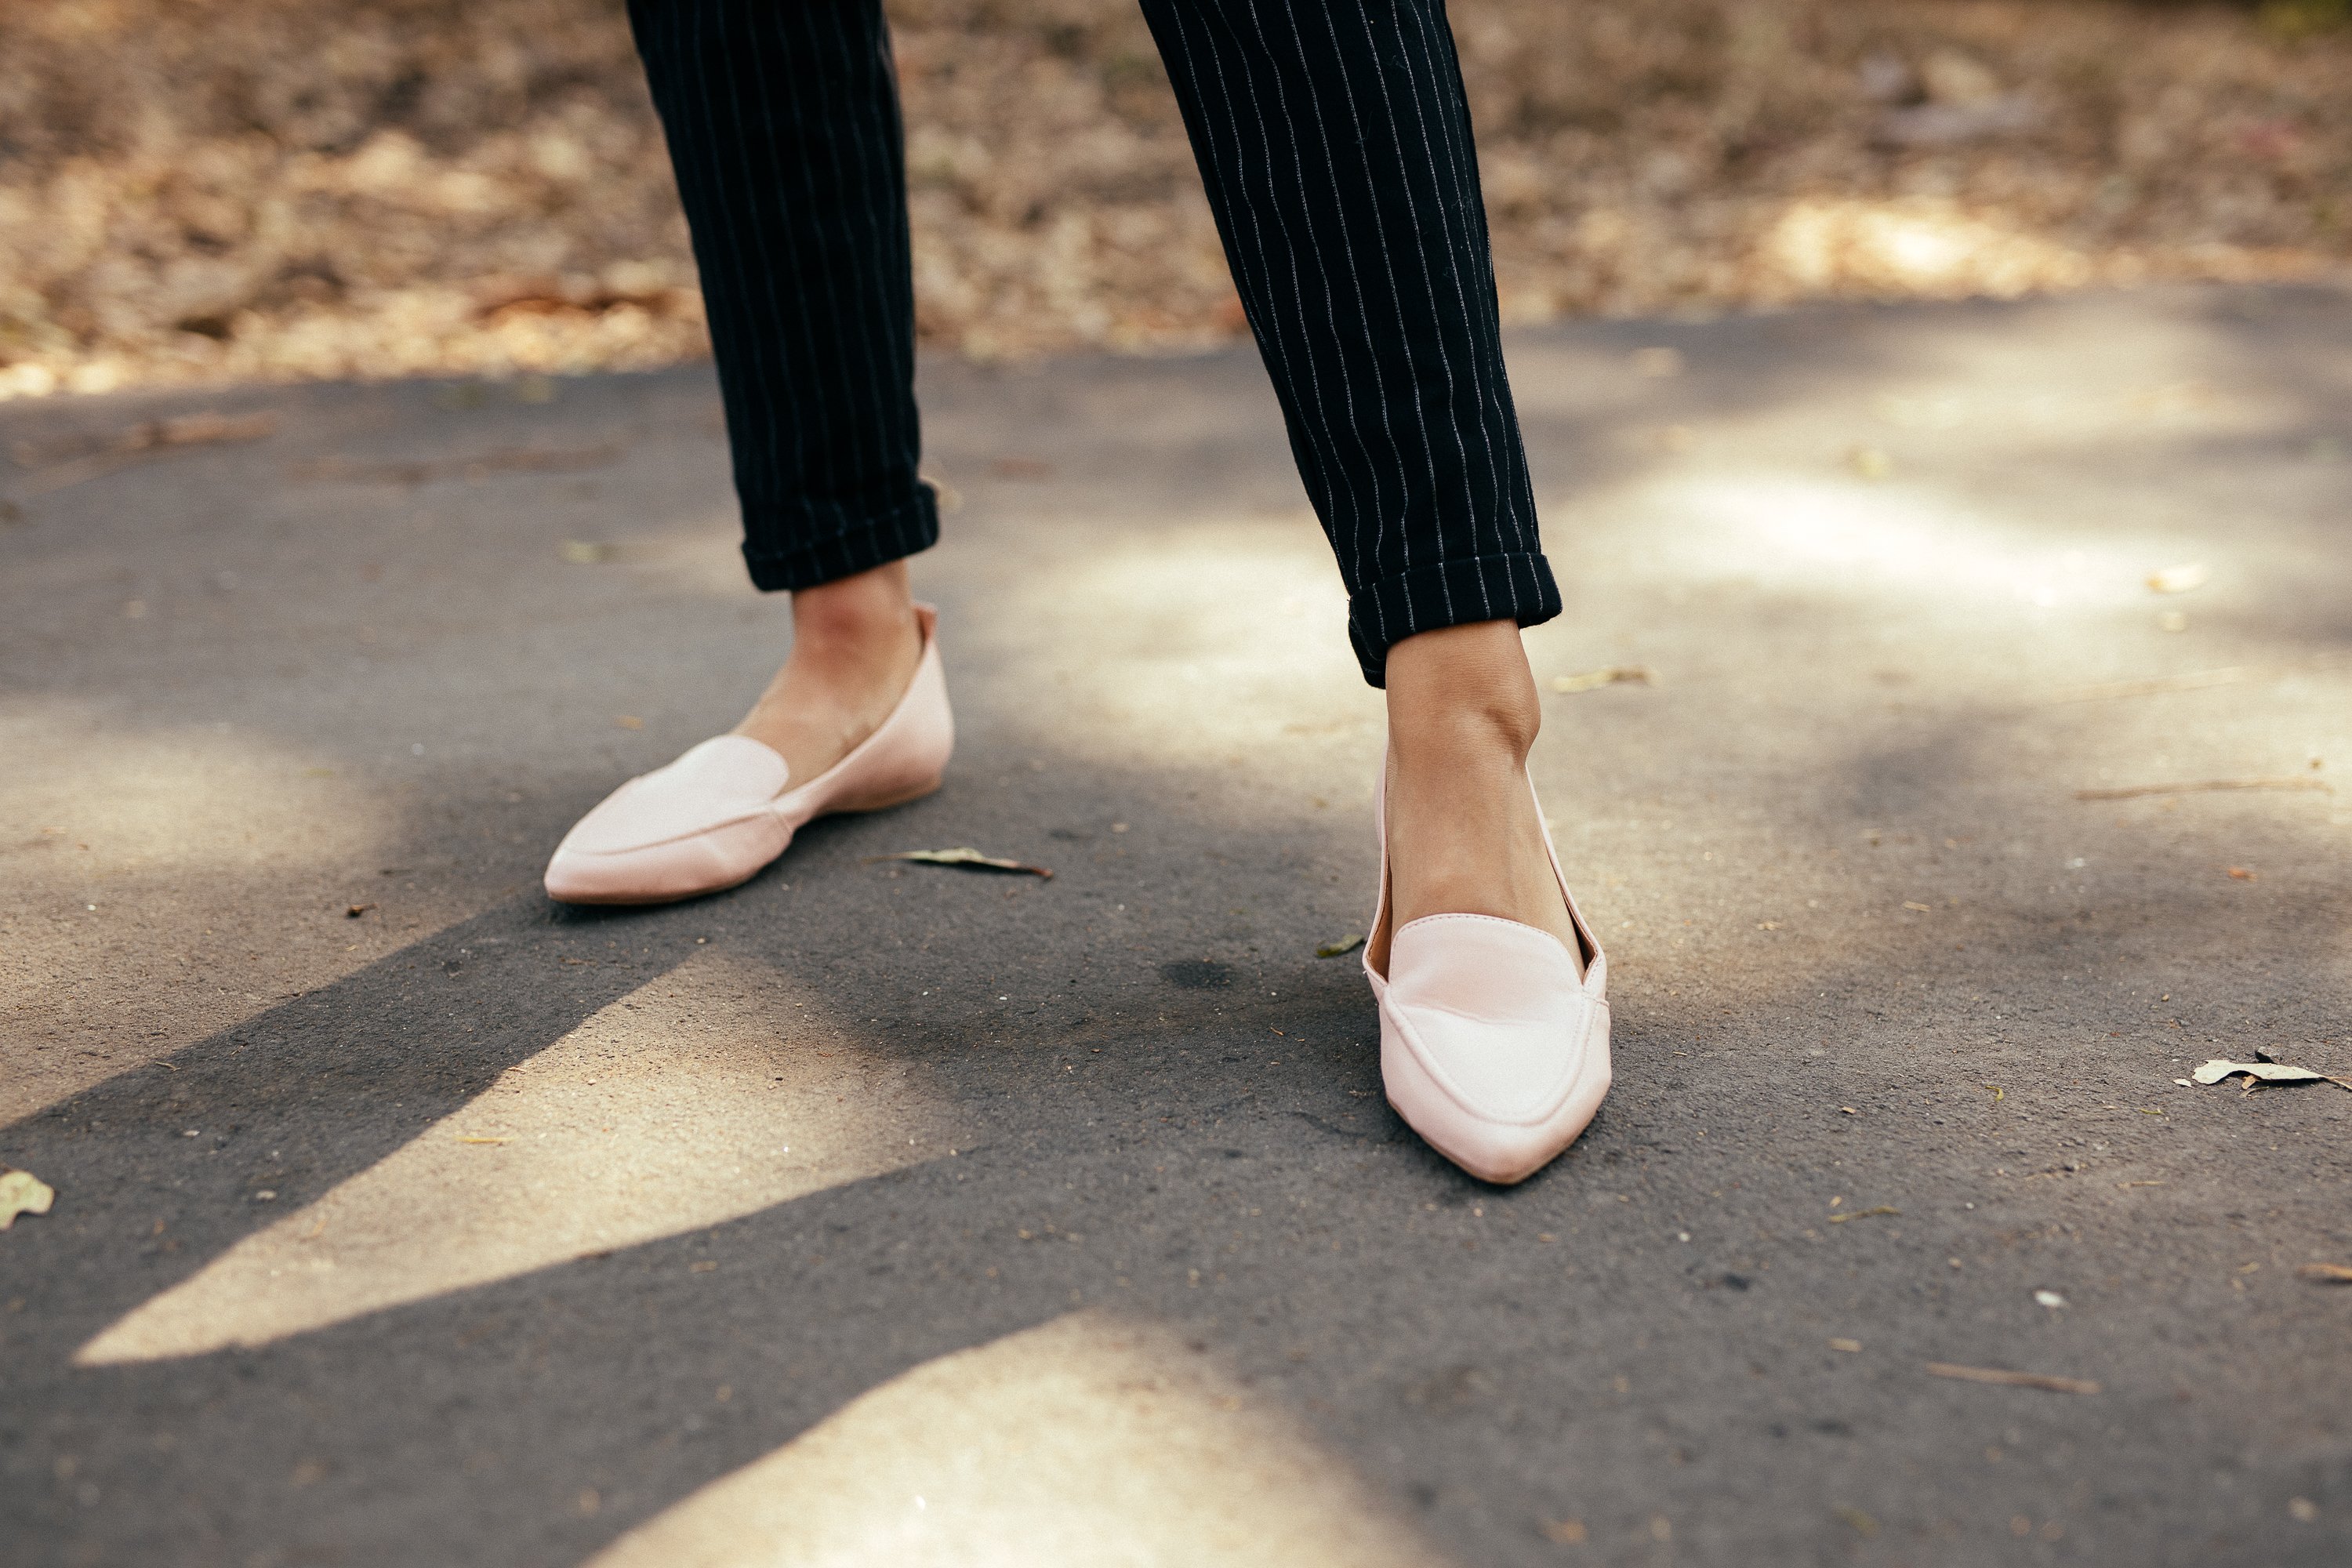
(2218, 1068)
(2330, 1273)
(965, 856)
(1861, 1523)
(1611, 675)
(1870, 462)
(1346, 944)
(1863, 1214)
(2012, 1379)
(21, 1191)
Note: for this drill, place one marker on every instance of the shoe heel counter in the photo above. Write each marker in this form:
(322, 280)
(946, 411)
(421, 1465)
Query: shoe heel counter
(908, 757)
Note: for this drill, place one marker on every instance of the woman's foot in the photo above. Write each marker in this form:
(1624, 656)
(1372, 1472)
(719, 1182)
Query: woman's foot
(1492, 994)
(857, 720)
(1463, 834)
(856, 643)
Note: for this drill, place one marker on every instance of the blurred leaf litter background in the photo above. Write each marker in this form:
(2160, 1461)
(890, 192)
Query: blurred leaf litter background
(207, 190)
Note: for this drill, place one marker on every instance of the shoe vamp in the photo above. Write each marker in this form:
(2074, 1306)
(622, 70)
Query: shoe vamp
(1495, 1010)
(707, 788)
(1515, 1070)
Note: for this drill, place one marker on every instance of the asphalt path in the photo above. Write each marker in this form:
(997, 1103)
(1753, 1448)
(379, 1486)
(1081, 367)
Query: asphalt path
(882, 1212)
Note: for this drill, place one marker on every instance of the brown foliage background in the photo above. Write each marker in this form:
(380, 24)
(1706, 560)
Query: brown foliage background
(204, 189)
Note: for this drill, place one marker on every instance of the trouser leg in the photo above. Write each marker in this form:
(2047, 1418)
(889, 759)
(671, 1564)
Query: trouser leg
(783, 119)
(1334, 139)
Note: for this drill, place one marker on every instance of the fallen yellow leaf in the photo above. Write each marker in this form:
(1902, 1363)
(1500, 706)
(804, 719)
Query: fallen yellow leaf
(1609, 675)
(21, 1191)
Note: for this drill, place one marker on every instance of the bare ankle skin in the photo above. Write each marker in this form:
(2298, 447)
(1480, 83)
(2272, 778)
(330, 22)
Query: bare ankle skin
(1464, 836)
(855, 643)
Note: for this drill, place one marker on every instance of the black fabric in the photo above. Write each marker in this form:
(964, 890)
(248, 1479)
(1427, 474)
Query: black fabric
(1334, 141)
(783, 119)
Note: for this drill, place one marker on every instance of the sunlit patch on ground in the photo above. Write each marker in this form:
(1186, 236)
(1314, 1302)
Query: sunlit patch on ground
(119, 837)
(1092, 1442)
(714, 1092)
(1200, 638)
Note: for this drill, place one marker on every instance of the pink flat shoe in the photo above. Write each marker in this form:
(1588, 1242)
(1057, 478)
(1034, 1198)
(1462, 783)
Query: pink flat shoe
(719, 813)
(1492, 1047)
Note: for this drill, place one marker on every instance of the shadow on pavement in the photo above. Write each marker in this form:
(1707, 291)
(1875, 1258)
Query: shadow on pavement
(1898, 1015)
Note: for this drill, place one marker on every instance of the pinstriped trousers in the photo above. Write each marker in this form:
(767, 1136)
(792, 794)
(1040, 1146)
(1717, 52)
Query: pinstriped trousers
(1334, 141)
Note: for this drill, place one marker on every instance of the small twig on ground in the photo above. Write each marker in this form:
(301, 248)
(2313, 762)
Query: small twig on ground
(969, 857)
(2204, 786)
(2192, 680)
(2012, 1379)
(57, 470)
(519, 460)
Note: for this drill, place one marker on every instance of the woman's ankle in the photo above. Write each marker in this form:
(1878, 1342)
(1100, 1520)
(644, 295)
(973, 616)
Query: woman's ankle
(862, 615)
(1462, 695)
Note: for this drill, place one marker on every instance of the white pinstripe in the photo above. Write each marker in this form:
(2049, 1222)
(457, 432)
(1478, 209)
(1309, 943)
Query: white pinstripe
(1268, 330)
(1330, 311)
(744, 253)
(1466, 259)
(1521, 492)
(878, 376)
(736, 250)
(1363, 312)
(1413, 210)
(846, 327)
(1314, 378)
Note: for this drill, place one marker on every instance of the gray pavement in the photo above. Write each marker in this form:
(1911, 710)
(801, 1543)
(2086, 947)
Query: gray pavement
(878, 1213)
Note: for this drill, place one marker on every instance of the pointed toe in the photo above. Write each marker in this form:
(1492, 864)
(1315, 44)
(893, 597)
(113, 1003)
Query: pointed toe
(1492, 1047)
(705, 861)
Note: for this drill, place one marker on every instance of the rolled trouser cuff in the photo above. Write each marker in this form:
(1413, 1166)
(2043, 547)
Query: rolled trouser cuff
(843, 551)
(1455, 592)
